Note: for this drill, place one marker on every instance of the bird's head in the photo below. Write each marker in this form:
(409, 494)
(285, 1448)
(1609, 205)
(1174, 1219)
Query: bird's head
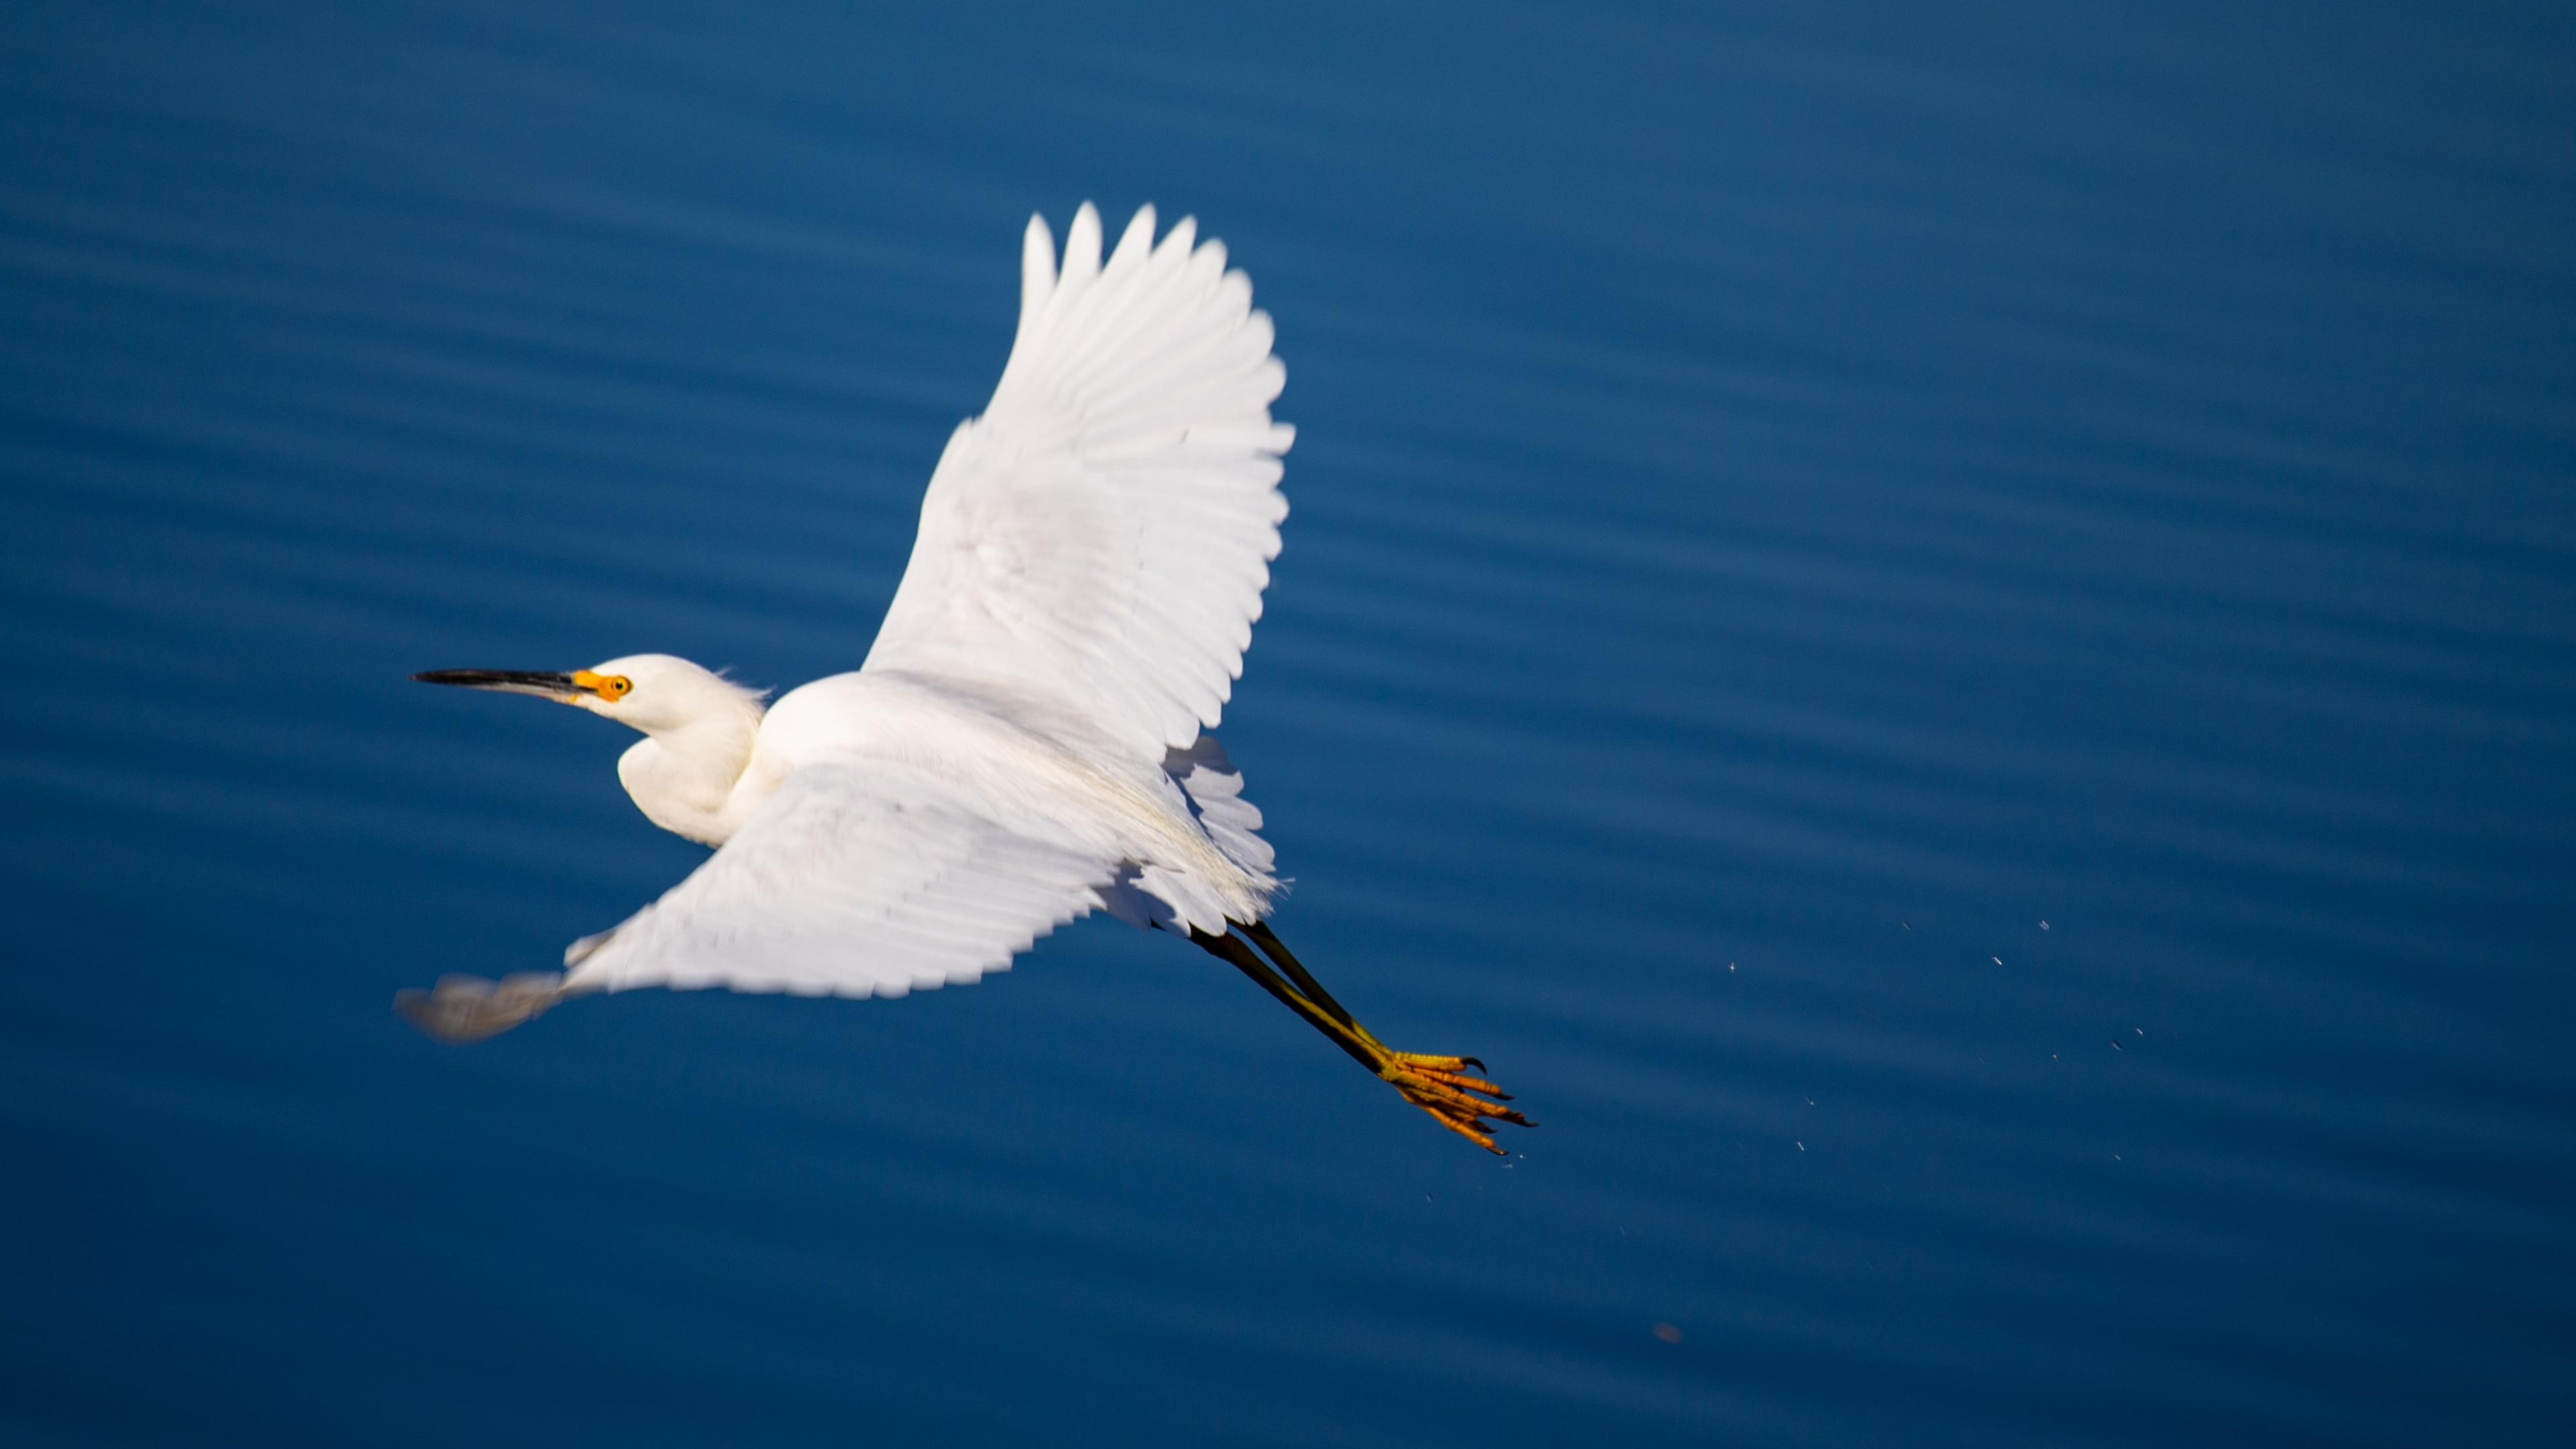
(654, 693)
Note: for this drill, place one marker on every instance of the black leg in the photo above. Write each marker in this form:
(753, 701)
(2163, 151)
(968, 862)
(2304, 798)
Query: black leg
(1335, 1024)
(1277, 950)
(1438, 1085)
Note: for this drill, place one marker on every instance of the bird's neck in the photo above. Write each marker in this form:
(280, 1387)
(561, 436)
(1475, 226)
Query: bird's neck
(685, 780)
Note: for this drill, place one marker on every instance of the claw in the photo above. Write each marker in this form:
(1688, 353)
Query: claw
(1446, 1095)
(1481, 1139)
(1463, 1082)
(1446, 1064)
(1454, 1077)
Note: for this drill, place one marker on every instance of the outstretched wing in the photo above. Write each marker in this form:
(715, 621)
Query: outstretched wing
(1100, 537)
(856, 879)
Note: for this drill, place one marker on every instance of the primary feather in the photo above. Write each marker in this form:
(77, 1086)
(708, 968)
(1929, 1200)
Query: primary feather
(1100, 537)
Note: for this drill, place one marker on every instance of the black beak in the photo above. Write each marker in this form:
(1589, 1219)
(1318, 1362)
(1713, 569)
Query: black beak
(558, 687)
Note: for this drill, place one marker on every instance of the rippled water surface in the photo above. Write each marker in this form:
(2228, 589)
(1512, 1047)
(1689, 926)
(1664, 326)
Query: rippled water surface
(1951, 639)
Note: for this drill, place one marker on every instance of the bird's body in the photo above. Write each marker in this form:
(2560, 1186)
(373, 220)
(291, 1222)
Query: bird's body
(1026, 739)
(710, 776)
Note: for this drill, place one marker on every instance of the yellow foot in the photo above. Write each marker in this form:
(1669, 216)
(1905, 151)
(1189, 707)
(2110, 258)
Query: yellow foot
(1441, 1087)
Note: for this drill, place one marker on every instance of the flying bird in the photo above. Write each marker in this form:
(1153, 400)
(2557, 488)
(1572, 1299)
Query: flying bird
(1027, 740)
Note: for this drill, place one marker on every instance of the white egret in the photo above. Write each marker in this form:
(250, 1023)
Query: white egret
(1025, 742)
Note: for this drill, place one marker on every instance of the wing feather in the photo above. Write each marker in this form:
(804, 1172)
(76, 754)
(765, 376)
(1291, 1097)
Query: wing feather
(1095, 547)
(1100, 538)
(858, 878)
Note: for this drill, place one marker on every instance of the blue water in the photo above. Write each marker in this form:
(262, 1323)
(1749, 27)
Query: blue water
(1783, 508)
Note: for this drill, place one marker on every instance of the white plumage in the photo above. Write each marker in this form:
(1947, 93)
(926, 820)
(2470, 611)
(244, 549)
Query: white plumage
(1025, 741)
(1101, 536)
(893, 832)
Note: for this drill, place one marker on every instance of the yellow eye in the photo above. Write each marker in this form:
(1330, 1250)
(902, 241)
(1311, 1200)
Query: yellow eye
(616, 686)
